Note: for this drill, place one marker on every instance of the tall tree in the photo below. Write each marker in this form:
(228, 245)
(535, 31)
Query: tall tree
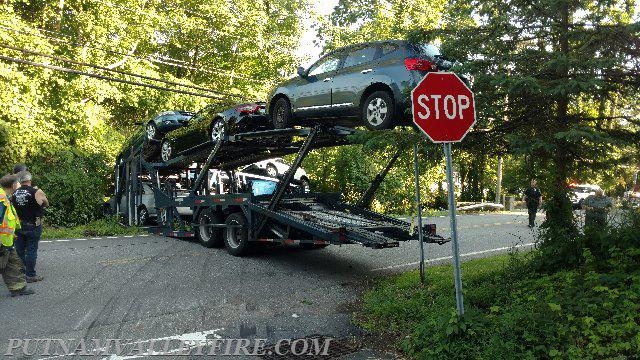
(556, 79)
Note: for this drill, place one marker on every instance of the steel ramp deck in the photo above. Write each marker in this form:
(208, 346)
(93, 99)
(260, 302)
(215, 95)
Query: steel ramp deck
(349, 224)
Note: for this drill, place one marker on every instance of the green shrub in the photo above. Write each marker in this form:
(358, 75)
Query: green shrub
(585, 308)
(109, 226)
(75, 183)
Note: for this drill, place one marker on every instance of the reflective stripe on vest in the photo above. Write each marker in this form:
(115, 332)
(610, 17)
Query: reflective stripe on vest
(10, 221)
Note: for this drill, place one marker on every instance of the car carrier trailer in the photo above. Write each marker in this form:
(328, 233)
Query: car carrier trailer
(238, 219)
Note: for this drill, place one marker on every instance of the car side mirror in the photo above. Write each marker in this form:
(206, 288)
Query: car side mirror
(302, 72)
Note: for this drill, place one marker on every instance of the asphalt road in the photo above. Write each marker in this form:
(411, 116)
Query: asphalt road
(151, 287)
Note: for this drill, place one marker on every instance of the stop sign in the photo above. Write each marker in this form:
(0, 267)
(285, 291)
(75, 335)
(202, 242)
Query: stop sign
(443, 107)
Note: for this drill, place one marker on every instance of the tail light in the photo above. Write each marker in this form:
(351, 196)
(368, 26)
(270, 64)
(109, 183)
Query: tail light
(419, 64)
(248, 108)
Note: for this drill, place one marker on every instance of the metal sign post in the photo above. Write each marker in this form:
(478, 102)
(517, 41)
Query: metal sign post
(419, 208)
(444, 110)
(454, 230)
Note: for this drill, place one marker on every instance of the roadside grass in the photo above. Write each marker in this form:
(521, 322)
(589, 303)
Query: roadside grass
(101, 227)
(512, 312)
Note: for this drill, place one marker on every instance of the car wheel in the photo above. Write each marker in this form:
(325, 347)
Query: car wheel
(165, 151)
(152, 131)
(143, 215)
(377, 111)
(209, 236)
(272, 171)
(281, 114)
(218, 130)
(236, 238)
(306, 185)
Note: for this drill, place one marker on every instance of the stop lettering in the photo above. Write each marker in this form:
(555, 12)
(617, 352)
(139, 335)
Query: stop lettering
(443, 107)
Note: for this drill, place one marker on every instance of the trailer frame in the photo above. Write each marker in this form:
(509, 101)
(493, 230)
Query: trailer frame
(304, 219)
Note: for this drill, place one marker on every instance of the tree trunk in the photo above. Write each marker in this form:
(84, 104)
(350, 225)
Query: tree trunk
(559, 214)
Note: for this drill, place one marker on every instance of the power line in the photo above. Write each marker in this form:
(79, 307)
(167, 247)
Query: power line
(208, 69)
(31, 52)
(102, 77)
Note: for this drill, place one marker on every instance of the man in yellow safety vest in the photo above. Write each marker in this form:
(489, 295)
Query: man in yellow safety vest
(10, 263)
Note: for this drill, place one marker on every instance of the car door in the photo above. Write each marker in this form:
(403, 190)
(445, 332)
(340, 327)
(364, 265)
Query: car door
(312, 96)
(195, 132)
(355, 75)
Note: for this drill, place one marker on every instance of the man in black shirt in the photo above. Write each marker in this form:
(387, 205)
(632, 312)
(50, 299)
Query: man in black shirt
(533, 197)
(29, 203)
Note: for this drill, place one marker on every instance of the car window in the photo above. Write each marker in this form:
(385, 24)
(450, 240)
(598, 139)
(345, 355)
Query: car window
(178, 117)
(429, 50)
(329, 63)
(388, 48)
(360, 56)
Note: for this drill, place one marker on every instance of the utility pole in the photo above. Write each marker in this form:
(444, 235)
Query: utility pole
(499, 180)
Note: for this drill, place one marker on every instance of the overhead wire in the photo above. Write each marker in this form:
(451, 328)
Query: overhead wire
(102, 77)
(31, 52)
(207, 69)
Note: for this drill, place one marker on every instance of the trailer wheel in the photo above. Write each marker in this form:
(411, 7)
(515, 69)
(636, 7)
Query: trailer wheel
(236, 239)
(209, 236)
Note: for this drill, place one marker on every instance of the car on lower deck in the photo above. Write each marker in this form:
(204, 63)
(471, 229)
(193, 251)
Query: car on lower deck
(276, 168)
(365, 84)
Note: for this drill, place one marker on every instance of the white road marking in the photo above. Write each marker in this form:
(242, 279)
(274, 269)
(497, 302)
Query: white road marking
(83, 319)
(93, 238)
(449, 257)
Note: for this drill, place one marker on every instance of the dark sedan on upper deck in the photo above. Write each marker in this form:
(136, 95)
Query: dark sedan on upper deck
(212, 123)
(365, 84)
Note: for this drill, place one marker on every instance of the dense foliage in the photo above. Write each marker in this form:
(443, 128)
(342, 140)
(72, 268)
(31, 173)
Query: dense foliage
(556, 86)
(211, 49)
(588, 311)
(555, 80)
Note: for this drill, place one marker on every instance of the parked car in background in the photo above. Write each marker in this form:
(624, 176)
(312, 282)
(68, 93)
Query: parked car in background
(154, 131)
(365, 84)
(579, 192)
(212, 123)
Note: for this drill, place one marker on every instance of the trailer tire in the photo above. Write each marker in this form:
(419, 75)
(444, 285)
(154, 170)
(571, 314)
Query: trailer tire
(209, 236)
(236, 239)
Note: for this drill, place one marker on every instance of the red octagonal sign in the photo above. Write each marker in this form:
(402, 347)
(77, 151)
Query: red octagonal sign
(443, 107)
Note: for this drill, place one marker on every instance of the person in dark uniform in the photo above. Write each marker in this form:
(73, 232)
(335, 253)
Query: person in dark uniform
(532, 197)
(29, 203)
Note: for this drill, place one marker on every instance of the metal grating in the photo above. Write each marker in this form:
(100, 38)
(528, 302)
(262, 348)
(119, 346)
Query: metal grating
(337, 349)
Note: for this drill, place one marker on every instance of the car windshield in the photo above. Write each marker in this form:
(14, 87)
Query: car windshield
(179, 117)
(583, 189)
(428, 49)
